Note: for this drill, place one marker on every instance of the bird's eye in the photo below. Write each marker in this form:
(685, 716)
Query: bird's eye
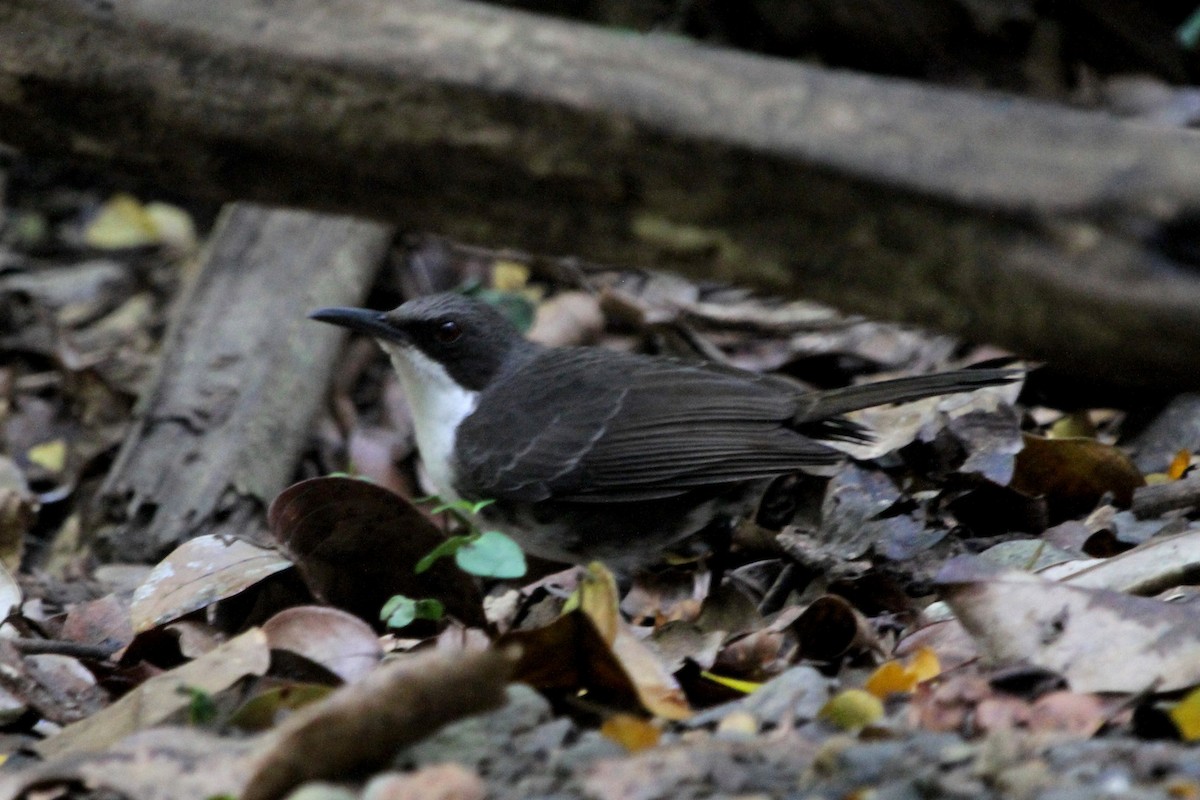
(448, 331)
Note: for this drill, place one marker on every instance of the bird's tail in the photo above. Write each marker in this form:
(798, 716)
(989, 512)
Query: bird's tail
(832, 403)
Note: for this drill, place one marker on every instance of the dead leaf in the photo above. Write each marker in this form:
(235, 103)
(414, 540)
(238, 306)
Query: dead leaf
(570, 656)
(104, 621)
(158, 764)
(852, 709)
(1186, 716)
(949, 704)
(598, 598)
(897, 426)
(831, 628)
(58, 688)
(568, 319)
(1150, 568)
(947, 638)
(364, 724)
(854, 499)
(123, 223)
(263, 711)
(340, 642)
(197, 574)
(657, 689)
(895, 677)
(1073, 713)
(18, 511)
(356, 545)
(1073, 474)
(159, 698)
(435, 782)
(633, 733)
(1099, 640)
(677, 642)
(10, 594)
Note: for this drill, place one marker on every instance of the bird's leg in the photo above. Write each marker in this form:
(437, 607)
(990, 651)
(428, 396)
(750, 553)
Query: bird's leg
(718, 535)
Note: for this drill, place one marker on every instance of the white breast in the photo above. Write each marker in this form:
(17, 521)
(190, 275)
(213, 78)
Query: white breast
(438, 404)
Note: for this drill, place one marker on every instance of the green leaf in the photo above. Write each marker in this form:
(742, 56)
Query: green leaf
(491, 555)
(458, 506)
(429, 608)
(399, 612)
(449, 547)
(202, 709)
(480, 506)
(1188, 34)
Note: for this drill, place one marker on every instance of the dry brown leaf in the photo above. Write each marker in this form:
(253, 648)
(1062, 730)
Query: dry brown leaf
(18, 511)
(356, 545)
(58, 688)
(160, 697)
(197, 574)
(103, 621)
(1154, 566)
(568, 319)
(830, 628)
(599, 599)
(1099, 640)
(633, 733)
(657, 689)
(10, 594)
(896, 426)
(949, 704)
(436, 782)
(364, 724)
(340, 642)
(1074, 473)
(158, 764)
(570, 655)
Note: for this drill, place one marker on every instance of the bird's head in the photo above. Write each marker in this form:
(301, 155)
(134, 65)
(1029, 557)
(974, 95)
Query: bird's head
(469, 339)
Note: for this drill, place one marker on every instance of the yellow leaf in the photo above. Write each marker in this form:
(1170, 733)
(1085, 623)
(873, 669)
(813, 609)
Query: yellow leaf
(852, 709)
(632, 733)
(745, 687)
(600, 600)
(1075, 425)
(1179, 465)
(1182, 789)
(122, 223)
(891, 677)
(738, 722)
(1186, 716)
(509, 276)
(925, 665)
(172, 225)
(51, 456)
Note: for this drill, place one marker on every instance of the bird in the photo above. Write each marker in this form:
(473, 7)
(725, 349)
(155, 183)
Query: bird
(590, 454)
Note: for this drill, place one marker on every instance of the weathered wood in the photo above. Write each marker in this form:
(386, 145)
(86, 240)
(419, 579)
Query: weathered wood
(243, 371)
(1033, 225)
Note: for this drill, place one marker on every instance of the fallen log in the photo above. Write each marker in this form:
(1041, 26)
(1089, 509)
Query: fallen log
(1062, 233)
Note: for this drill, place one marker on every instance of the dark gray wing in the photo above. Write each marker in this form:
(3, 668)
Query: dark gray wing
(591, 425)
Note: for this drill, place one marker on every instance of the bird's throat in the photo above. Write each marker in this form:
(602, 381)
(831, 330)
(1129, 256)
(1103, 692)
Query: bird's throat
(438, 405)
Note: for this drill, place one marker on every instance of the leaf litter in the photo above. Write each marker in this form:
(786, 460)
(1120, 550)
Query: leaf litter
(796, 644)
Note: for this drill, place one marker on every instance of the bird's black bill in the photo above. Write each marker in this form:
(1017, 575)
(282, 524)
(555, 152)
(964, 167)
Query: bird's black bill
(359, 320)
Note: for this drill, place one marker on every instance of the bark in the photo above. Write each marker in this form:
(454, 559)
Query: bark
(242, 374)
(1061, 233)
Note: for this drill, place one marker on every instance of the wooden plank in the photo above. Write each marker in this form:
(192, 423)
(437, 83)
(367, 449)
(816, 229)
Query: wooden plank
(242, 374)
